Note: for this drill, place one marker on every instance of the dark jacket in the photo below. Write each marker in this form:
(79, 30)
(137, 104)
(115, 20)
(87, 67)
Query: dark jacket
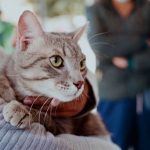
(111, 35)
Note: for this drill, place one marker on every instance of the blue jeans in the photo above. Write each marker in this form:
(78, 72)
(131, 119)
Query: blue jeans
(128, 128)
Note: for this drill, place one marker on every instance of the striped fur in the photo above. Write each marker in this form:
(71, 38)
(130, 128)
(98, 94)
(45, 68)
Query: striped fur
(31, 74)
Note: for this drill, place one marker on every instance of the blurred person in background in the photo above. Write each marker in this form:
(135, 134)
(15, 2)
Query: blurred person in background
(119, 35)
(6, 35)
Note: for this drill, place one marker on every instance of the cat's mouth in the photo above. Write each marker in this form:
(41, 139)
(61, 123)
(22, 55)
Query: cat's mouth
(69, 96)
(55, 101)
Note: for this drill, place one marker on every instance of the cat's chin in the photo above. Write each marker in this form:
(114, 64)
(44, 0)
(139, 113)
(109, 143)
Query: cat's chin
(55, 102)
(69, 98)
(64, 97)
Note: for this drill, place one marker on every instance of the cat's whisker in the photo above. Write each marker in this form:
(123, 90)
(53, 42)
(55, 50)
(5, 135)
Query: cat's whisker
(31, 109)
(85, 94)
(103, 43)
(98, 34)
(50, 115)
(101, 55)
(41, 109)
(47, 112)
(33, 103)
(75, 103)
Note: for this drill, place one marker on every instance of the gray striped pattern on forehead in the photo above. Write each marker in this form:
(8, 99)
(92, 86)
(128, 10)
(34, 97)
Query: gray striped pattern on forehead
(61, 43)
(64, 42)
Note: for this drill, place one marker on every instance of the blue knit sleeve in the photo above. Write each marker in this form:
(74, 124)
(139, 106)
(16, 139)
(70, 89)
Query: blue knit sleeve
(37, 138)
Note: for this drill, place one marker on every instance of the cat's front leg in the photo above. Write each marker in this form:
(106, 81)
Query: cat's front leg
(17, 115)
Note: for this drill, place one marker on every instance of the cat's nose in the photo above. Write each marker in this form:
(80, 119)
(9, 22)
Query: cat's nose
(78, 84)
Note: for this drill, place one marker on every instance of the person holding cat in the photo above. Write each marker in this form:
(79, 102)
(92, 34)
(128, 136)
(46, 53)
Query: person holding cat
(48, 66)
(119, 35)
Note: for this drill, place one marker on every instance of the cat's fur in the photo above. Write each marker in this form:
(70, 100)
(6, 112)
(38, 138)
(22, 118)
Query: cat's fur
(29, 72)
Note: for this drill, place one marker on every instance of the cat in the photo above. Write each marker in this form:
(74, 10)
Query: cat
(50, 65)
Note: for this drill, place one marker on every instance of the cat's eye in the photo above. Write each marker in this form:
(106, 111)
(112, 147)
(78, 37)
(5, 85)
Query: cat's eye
(82, 65)
(56, 61)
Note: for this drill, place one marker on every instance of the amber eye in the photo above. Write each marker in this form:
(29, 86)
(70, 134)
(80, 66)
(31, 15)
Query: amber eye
(56, 61)
(82, 65)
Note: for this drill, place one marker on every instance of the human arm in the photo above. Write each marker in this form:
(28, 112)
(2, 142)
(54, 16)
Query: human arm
(138, 62)
(141, 61)
(36, 137)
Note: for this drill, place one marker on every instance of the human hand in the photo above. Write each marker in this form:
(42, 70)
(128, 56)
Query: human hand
(148, 42)
(120, 62)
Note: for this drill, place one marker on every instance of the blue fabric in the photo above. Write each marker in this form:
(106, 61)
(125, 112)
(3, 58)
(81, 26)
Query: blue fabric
(127, 127)
(37, 138)
(144, 124)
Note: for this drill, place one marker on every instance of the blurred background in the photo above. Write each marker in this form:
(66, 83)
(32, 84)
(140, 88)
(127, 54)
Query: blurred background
(54, 15)
(120, 37)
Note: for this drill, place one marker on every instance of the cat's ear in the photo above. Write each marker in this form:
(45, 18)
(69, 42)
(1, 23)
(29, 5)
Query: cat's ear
(78, 34)
(28, 29)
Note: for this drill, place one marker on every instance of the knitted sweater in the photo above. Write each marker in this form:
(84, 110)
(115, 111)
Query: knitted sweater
(37, 138)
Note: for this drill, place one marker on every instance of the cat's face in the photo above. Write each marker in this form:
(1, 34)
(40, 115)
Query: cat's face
(49, 64)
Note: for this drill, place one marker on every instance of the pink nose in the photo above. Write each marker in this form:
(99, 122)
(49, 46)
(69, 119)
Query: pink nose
(78, 84)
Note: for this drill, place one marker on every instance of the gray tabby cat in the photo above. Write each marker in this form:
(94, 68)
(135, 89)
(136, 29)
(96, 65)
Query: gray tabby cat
(48, 64)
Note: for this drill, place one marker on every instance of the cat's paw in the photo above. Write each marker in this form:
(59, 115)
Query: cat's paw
(16, 114)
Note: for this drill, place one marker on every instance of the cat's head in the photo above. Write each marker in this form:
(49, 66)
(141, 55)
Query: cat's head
(49, 64)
